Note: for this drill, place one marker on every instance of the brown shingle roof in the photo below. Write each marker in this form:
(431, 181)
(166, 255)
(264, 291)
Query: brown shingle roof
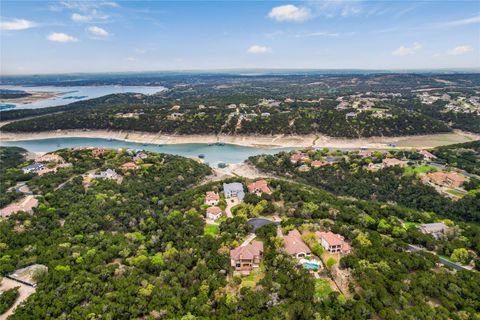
(249, 251)
(294, 243)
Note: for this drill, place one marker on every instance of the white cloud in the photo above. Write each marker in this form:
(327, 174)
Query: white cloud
(290, 12)
(256, 49)
(82, 6)
(344, 8)
(17, 24)
(80, 18)
(459, 50)
(129, 59)
(139, 50)
(97, 31)
(405, 51)
(61, 37)
(462, 22)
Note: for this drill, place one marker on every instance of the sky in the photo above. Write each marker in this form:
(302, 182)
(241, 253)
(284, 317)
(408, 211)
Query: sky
(39, 37)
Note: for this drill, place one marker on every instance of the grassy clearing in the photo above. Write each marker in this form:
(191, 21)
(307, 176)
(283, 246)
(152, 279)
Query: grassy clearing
(211, 229)
(455, 193)
(322, 288)
(411, 170)
(253, 278)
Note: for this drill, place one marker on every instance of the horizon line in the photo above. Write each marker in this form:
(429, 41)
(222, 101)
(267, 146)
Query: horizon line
(272, 70)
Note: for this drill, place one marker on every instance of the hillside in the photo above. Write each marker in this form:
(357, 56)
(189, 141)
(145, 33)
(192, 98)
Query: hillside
(348, 106)
(138, 246)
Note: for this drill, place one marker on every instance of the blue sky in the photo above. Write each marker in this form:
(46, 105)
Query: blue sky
(106, 36)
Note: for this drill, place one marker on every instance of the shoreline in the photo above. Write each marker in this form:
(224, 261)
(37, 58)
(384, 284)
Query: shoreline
(257, 141)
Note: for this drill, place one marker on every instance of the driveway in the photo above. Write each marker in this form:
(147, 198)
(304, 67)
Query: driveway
(231, 202)
(24, 292)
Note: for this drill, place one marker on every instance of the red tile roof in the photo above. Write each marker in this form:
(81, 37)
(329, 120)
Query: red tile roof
(331, 238)
(212, 196)
(214, 210)
(317, 163)
(260, 185)
(389, 162)
(426, 154)
(298, 156)
(129, 166)
(365, 153)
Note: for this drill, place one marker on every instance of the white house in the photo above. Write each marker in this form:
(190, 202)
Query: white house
(212, 198)
(214, 213)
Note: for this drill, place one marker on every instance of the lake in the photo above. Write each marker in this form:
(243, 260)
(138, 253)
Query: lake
(68, 95)
(214, 154)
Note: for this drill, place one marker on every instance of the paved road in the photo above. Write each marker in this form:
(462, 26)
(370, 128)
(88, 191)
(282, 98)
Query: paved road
(260, 222)
(443, 261)
(24, 292)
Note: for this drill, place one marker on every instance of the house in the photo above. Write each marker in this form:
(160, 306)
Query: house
(296, 157)
(175, 116)
(35, 167)
(453, 180)
(350, 115)
(27, 205)
(49, 158)
(265, 114)
(437, 230)
(128, 166)
(212, 198)
(374, 166)
(247, 257)
(333, 242)
(295, 246)
(318, 164)
(140, 156)
(259, 187)
(303, 168)
(234, 190)
(108, 174)
(365, 153)
(99, 151)
(214, 213)
(392, 162)
(427, 155)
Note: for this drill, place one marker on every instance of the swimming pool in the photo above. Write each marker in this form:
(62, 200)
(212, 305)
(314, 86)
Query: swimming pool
(311, 265)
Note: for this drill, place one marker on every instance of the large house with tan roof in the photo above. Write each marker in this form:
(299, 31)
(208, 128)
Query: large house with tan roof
(365, 153)
(318, 163)
(392, 162)
(296, 157)
(100, 151)
(259, 187)
(446, 179)
(128, 166)
(246, 258)
(427, 155)
(333, 242)
(295, 246)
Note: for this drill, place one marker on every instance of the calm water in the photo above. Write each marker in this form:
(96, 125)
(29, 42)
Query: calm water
(73, 94)
(214, 154)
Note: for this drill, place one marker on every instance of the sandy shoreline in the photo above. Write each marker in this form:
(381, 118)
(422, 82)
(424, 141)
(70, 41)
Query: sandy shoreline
(264, 141)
